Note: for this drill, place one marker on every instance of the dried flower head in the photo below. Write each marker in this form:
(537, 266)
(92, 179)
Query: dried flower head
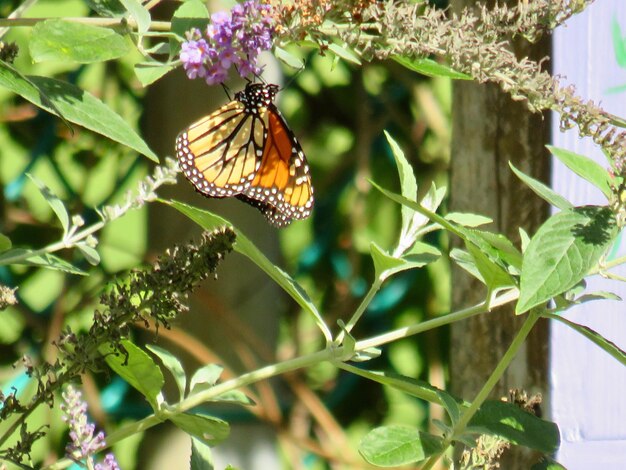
(234, 38)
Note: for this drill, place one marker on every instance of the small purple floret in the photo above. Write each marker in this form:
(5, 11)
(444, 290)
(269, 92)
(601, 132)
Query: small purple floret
(234, 38)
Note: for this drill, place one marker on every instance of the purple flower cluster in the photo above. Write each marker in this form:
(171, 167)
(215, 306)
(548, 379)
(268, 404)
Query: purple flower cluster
(234, 38)
(83, 443)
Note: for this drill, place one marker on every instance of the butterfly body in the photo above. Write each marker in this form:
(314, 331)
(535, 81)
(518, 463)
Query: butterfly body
(246, 150)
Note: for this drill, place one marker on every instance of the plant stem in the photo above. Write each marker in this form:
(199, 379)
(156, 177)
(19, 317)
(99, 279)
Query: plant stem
(491, 382)
(361, 309)
(104, 22)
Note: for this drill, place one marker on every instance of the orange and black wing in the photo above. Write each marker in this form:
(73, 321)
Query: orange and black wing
(221, 153)
(281, 187)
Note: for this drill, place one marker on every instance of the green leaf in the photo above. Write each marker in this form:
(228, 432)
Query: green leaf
(563, 251)
(386, 265)
(493, 274)
(76, 105)
(172, 364)
(207, 429)
(467, 262)
(497, 246)
(345, 53)
(137, 368)
(585, 168)
(390, 446)
(91, 254)
(65, 40)
(149, 72)
(235, 396)
(517, 426)
(544, 192)
(205, 377)
(55, 203)
(139, 13)
(201, 455)
(467, 219)
(288, 58)
(244, 246)
(430, 68)
(191, 14)
(44, 260)
(408, 183)
(595, 337)
(5, 243)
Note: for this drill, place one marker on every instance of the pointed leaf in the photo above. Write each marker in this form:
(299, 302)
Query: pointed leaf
(150, 72)
(107, 8)
(467, 219)
(235, 396)
(76, 105)
(544, 192)
(467, 262)
(137, 368)
(66, 40)
(345, 53)
(494, 275)
(408, 183)
(55, 203)
(172, 364)
(288, 58)
(207, 429)
(563, 251)
(386, 265)
(34, 258)
(91, 254)
(585, 168)
(244, 246)
(390, 446)
(430, 68)
(595, 337)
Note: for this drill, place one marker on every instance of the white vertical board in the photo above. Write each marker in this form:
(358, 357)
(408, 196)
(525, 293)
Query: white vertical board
(588, 387)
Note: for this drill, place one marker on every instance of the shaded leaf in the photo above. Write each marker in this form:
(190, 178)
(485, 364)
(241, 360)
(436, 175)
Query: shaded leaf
(544, 192)
(207, 429)
(66, 40)
(244, 246)
(386, 265)
(288, 58)
(191, 14)
(467, 219)
(5, 243)
(149, 72)
(34, 258)
(205, 377)
(234, 396)
(91, 254)
(517, 426)
(76, 105)
(390, 446)
(345, 53)
(137, 368)
(563, 251)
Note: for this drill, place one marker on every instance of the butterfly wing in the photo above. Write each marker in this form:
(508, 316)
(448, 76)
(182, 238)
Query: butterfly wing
(221, 153)
(281, 188)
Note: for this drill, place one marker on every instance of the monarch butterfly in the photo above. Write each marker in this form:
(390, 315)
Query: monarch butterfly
(245, 149)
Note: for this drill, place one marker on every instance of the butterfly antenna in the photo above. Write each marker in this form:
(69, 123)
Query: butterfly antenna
(226, 90)
(295, 75)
